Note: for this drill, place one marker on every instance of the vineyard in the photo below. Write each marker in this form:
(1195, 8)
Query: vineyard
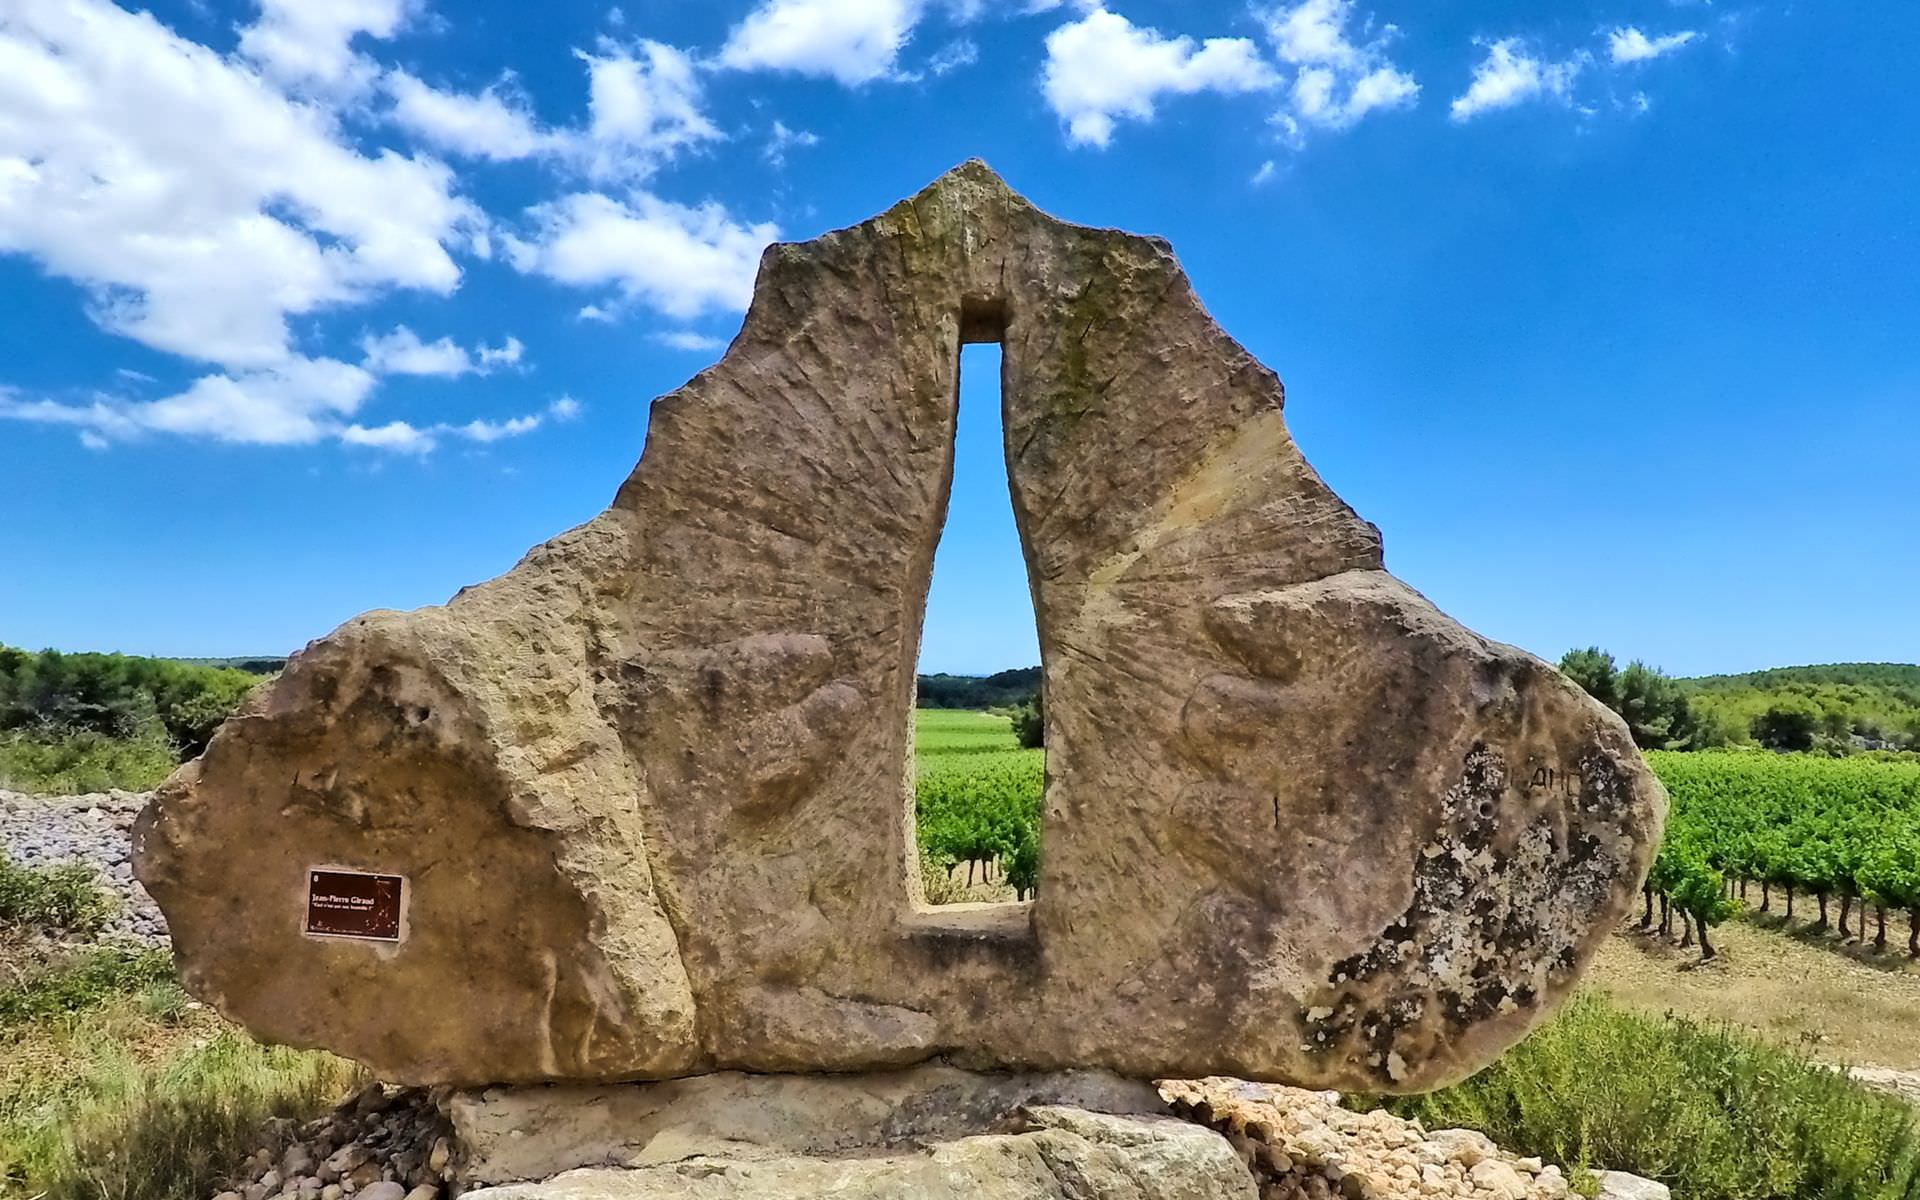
(1846, 829)
(1791, 826)
(977, 797)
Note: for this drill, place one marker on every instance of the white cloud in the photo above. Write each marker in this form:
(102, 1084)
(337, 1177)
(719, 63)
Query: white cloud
(780, 139)
(853, 41)
(643, 101)
(307, 45)
(299, 402)
(1510, 75)
(953, 56)
(493, 431)
(199, 207)
(679, 260)
(401, 352)
(484, 125)
(644, 107)
(394, 435)
(688, 340)
(1339, 80)
(1628, 44)
(506, 354)
(403, 437)
(1265, 174)
(1103, 67)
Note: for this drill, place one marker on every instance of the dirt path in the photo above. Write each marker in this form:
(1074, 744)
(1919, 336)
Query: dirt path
(1839, 1002)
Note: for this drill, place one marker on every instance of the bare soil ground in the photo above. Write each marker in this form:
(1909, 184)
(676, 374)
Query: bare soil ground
(1838, 1001)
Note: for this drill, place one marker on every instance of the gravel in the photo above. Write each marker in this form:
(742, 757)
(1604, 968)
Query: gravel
(95, 829)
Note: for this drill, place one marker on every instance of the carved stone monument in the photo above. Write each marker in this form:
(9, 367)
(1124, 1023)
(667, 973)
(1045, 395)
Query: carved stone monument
(647, 795)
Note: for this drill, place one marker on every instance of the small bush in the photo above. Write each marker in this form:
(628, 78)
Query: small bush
(171, 1131)
(64, 899)
(1712, 1113)
(56, 763)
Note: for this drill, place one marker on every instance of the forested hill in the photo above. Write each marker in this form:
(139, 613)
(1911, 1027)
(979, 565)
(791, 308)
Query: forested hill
(1889, 675)
(979, 691)
(1876, 703)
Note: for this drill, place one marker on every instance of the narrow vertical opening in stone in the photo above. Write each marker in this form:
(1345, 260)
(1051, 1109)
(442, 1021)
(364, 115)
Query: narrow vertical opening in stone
(977, 788)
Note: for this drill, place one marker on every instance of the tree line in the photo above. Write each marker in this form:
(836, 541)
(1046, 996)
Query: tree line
(48, 694)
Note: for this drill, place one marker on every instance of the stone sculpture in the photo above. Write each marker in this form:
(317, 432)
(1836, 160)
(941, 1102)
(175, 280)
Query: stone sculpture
(645, 802)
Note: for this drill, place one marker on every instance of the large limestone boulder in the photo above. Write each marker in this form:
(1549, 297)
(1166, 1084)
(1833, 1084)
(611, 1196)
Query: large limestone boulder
(642, 805)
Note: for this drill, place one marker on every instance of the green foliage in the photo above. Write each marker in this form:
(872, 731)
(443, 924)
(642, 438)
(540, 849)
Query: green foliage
(1830, 826)
(999, 690)
(1030, 723)
(1593, 669)
(1877, 702)
(80, 981)
(1654, 706)
(123, 1130)
(64, 899)
(81, 722)
(1788, 725)
(1712, 1113)
(66, 764)
(977, 795)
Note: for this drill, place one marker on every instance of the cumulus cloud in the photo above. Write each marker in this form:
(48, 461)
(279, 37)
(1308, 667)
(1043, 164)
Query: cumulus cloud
(852, 41)
(1103, 68)
(643, 101)
(1628, 44)
(296, 403)
(644, 104)
(682, 261)
(401, 352)
(1509, 75)
(198, 206)
(1339, 79)
(488, 124)
(307, 45)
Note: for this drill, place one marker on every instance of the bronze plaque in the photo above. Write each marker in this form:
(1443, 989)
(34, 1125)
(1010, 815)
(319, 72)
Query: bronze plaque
(354, 904)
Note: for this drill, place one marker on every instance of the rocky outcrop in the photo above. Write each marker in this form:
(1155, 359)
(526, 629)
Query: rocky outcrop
(642, 800)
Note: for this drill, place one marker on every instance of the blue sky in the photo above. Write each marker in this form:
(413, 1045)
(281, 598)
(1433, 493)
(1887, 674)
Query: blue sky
(1607, 313)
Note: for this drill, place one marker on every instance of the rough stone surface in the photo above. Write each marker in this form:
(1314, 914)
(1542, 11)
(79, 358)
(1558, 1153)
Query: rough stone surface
(1059, 1154)
(513, 1134)
(649, 788)
(1618, 1185)
(1303, 1145)
(92, 829)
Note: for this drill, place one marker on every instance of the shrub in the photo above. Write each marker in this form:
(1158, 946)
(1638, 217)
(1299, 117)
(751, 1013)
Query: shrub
(68, 763)
(63, 899)
(1030, 723)
(1712, 1113)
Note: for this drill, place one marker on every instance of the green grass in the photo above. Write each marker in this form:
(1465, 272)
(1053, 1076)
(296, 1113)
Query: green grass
(78, 981)
(67, 764)
(115, 1125)
(1713, 1113)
